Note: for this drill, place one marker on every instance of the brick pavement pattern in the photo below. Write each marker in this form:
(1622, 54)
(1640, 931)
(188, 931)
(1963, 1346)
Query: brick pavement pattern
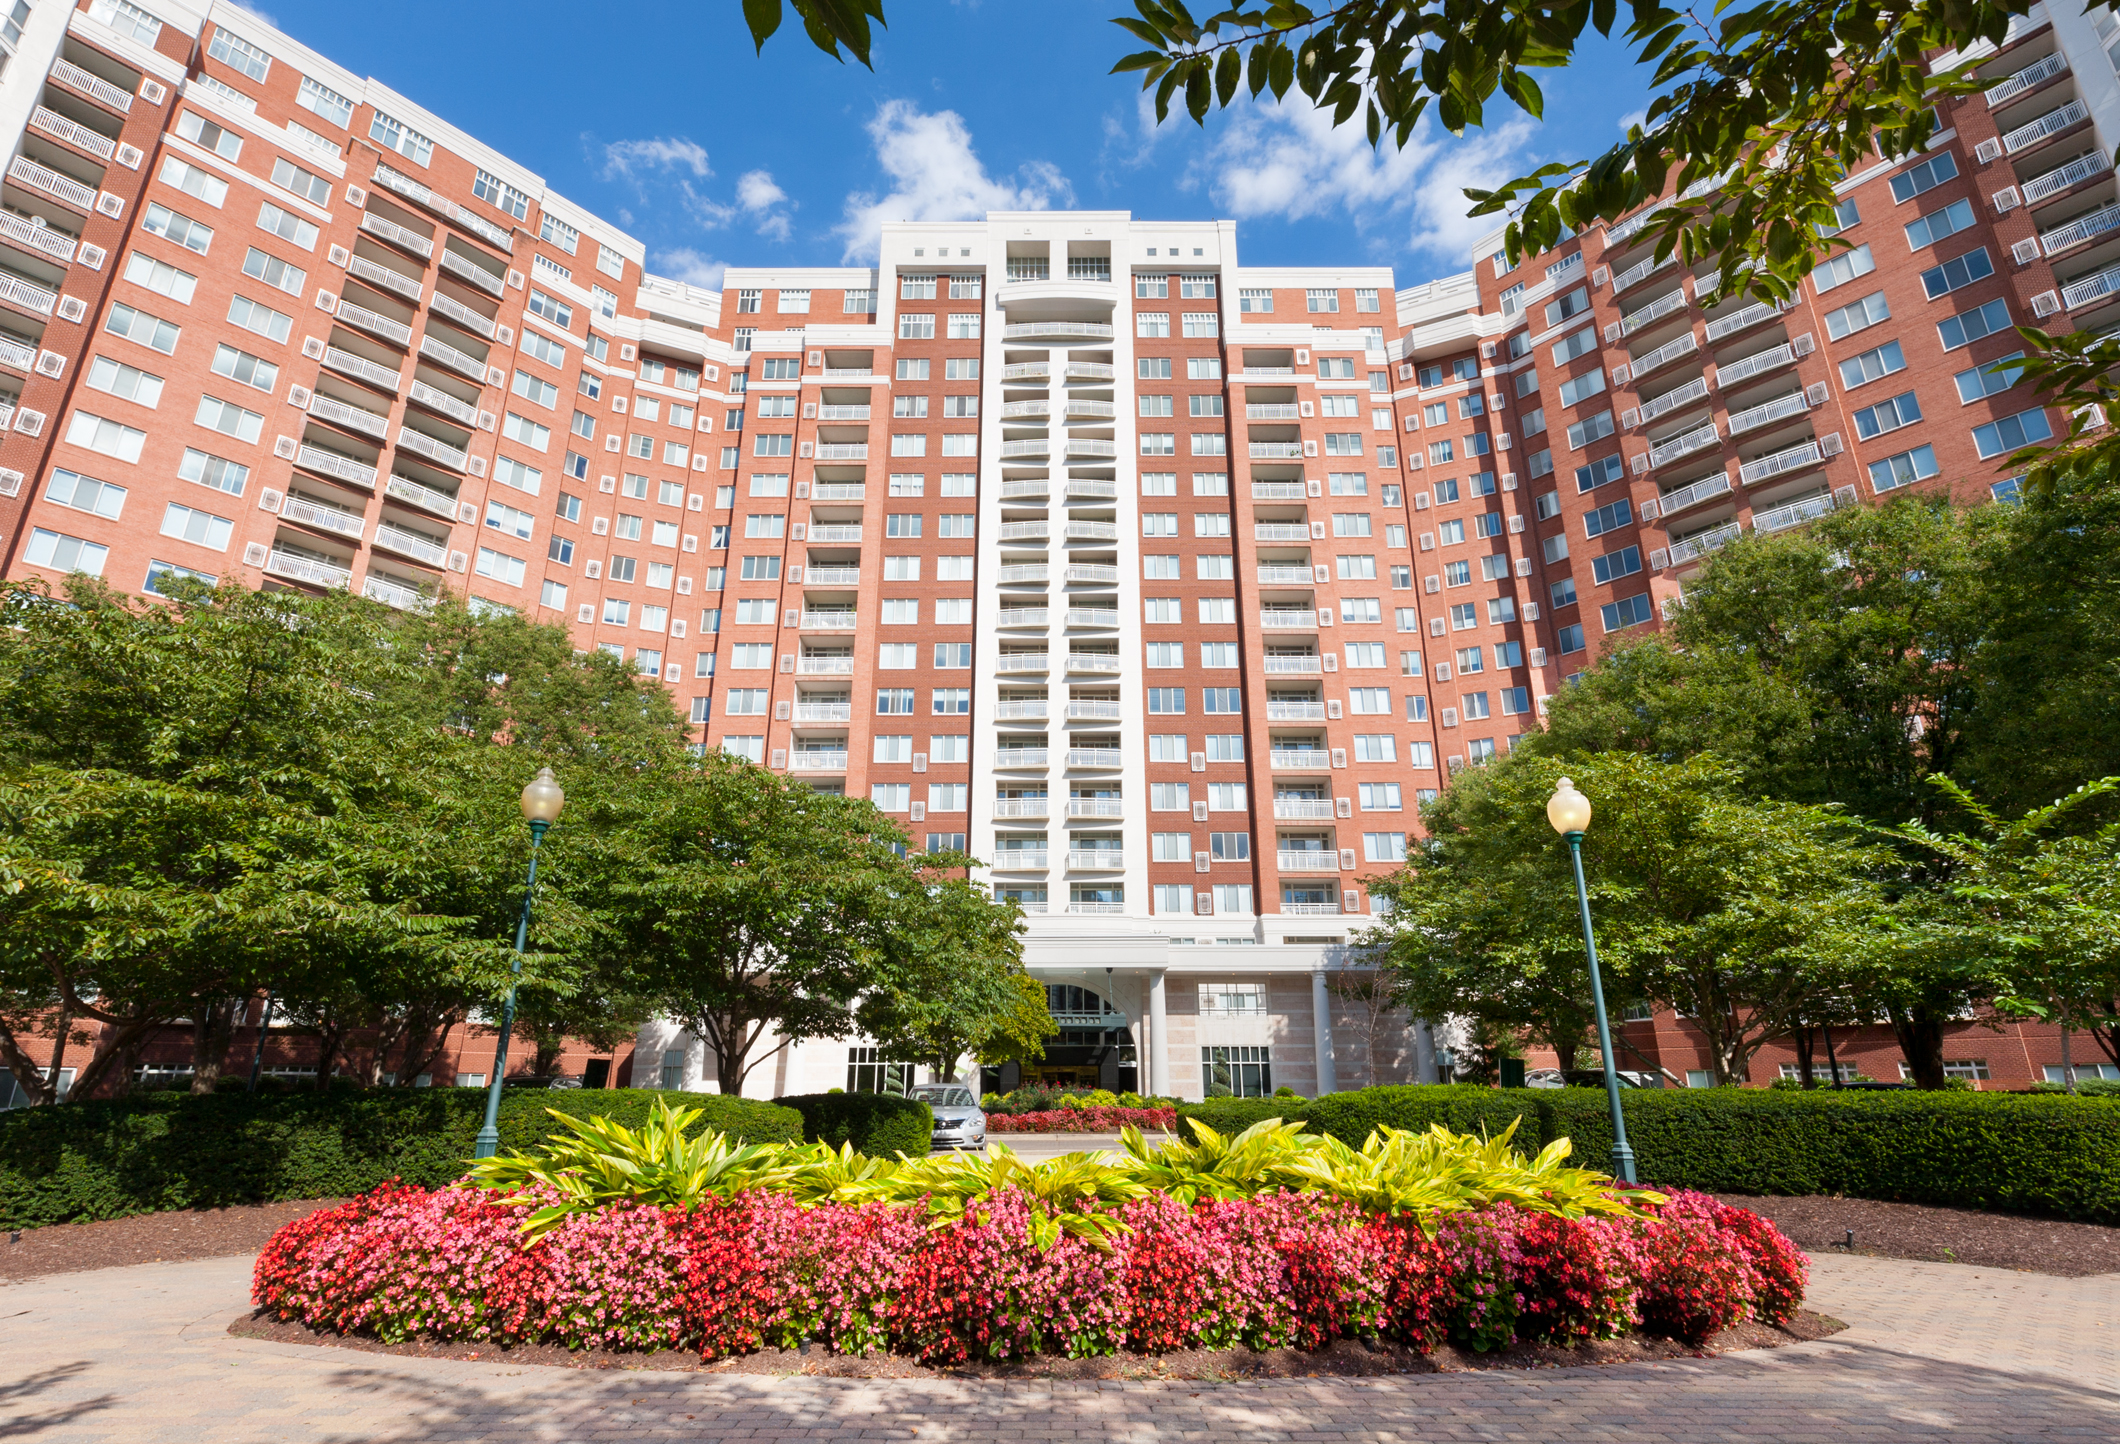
(1937, 1351)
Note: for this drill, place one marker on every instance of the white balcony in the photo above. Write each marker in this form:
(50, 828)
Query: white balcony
(1033, 446)
(824, 666)
(73, 132)
(56, 244)
(418, 546)
(1022, 662)
(1060, 331)
(1781, 408)
(1780, 463)
(839, 491)
(1663, 355)
(832, 621)
(1307, 861)
(470, 271)
(1284, 711)
(442, 353)
(2038, 72)
(817, 759)
(324, 518)
(1092, 446)
(1090, 572)
(18, 357)
(1272, 411)
(833, 576)
(1669, 401)
(849, 373)
(26, 172)
(362, 369)
(1090, 371)
(1092, 616)
(1026, 371)
(397, 235)
(1016, 531)
(1757, 364)
(1097, 909)
(835, 531)
(1309, 909)
(18, 292)
(306, 569)
(1095, 807)
(1021, 859)
(93, 86)
(1097, 663)
(1640, 271)
(2059, 179)
(1655, 311)
(1098, 859)
(436, 399)
(384, 278)
(1698, 439)
(1280, 531)
(1302, 757)
(353, 418)
(1701, 543)
(1098, 757)
(823, 712)
(1302, 809)
(1277, 491)
(1023, 617)
(1755, 314)
(1021, 757)
(1796, 513)
(394, 594)
(1291, 666)
(1093, 711)
(1289, 619)
(1025, 572)
(2084, 228)
(1022, 708)
(1276, 450)
(2091, 288)
(1022, 807)
(1092, 531)
(1082, 408)
(376, 324)
(842, 451)
(1091, 488)
(834, 412)
(421, 444)
(1277, 574)
(1695, 493)
(2055, 121)
(476, 322)
(1036, 486)
(330, 463)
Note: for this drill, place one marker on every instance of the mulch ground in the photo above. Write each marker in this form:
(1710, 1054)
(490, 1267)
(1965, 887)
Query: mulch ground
(1341, 1358)
(1820, 1225)
(65, 1248)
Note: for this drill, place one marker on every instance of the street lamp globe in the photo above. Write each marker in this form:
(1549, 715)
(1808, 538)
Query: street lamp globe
(1568, 810)
(542, 799)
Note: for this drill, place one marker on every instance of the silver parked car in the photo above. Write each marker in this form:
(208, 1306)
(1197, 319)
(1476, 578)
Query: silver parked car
(959, 1121)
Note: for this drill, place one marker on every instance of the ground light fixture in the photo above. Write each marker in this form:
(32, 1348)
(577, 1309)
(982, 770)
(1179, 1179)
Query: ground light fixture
(1569, 812)
(542, 800)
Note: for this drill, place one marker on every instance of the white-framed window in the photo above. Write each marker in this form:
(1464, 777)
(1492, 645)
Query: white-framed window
(500, 195)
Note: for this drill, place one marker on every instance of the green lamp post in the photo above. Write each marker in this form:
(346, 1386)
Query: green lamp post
(1569, 812)
(542, 800)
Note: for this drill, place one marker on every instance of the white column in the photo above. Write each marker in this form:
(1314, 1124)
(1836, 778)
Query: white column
(1158, 1047)
(1321, 1021)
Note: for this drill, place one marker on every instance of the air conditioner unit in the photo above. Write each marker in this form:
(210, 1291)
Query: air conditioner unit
(255, 554)
(1600, 276)
(593, 569)
(695, 502)
(285, 448)
(1538, 656)
(793, 619)
(2025, 252)
(356, 195)
(29, 423)
(607, 484)
(1659, 559)
(780, 759)
(459, 562)
(270, 499)
(91, 256)
(1343, 807)
(1202, 862)
(1314, 488)
(1523, 566)
(50, 363)
(1620, 374)
(1829, 445)
(72, 308)
(1199, 762)
(815, 358)
(1516, 522)
(1631, 417)
(1442, 671)
(2005, 200)
(1435, 626)
(1450, 716)
(1530, 608)
(1611, 333)
(684, 589)
(2046, 303)
(1199, 810)
(1649, 509)
(1803, 345)
(1988, 150)
(110, 205)
(300, 396)
(1428, 543)
(1640, 462)
(1347, 861)
(152, 92)
(327, 303)
(10, 481)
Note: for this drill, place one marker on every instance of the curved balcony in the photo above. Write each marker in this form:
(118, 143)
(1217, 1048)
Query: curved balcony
(1096, 859)
(1079, 532)
(1091, 488)
(1779, 463)
(1097, 757)
(426, 498)
(1095, 663)
(394, 594)
(1757, 364)
(1781, 408)
(1663, 355)
(1018, 531)
(1061, 331)
(1093, 711)
(1698, 545)
(1025, 572)
(1038, 446)
(2062, 177)
(826, 665)
(1695, 493)
(1090, 371)
(1036, 486)
(1090, 572)
(1024, 372)
(331, 464)
(1092, 616)
(384, 278)
(2046, 127)
(1669, 401)
(1698, 439)
(1023, 617)
(306, 569)
(1017, 757)
(1796, 513)
(440, 352)
(1656, 310)
(472, 272)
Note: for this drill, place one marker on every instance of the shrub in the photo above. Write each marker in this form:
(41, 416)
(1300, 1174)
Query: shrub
(882, 1125)
(1234, 1115)
(1460, 1107)
(112, 1158)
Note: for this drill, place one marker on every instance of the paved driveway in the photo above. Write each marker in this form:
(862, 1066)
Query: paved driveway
(141, 1355)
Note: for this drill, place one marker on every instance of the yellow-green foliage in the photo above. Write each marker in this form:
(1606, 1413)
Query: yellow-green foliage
(596, 1162)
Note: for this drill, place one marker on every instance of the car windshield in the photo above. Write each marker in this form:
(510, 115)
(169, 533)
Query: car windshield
(945, 1097)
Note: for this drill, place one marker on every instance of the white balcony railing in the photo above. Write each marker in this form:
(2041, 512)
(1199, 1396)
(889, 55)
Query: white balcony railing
(1277, 531)
(842, 451)
(1671, 400)
(1757, 364)
(353, 418)
(1021, 662)
(1021, 859)
(1096, 859)
(18, 357)
(1699, 438)
(1057, 331)
(1663, 355)
(817, 759)
(1287, 666)
(824, 712)
(826, 665)
(404, 239)
(1701, 543)
(394, 281)
(839, 491)
(394, 594)
(1013, 757)
(1012, 531)
(1795, 458)
(1796, 513)
(1744, 320)
(421, 444)
(1032, 446)
(1090, 572)
(470, 271)
(1092, 531)
(850, 373)
(2055, 121)
(1023, 617)
(835, 531)
(27, 172)
(22, 231)
(1022, 708)
(1090, 371)
(330, 463)
(1287, 711)
(1091, 446)
(1276, 450)
(1640, 271)
(1027, 371)
(1287, 619)
(1093, 710)
(94, 86)
(1102, 757)
(1307, 861)
(1092, 616)
(2091, 288)
(1655, 311)
(1096, 807)
(436, 399)
(1037, 486)
(476, 322)
(410, 544)
(1025, 572)
(18, 292)
(1781, 408)
(1695, 493)
(1277, 491)
(363, 369)
(1104, 663)
(1308, 909)
(1302, 809)
(1277, 574)
(1306, 757)
(1271, 411)
(834, 412)
(375, 324)
(2038, 72)
(306, 569)
(73, 132)
(2085, 227)
(437, 350)
(1022, 807)
(1097, 909)
(835, 621)
(2060, 178)
(833, 576)
(1091, 488)
(324, 518)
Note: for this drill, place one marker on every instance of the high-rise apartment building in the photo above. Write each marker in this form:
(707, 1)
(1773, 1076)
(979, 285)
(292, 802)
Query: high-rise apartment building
(1168, 586)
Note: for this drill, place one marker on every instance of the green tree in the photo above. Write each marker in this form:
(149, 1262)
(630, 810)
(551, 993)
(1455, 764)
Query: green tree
(742, 901)
(964, 992)
(1737, 913)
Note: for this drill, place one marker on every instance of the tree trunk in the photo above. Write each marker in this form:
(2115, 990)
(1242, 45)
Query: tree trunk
(40, 1084)
(1564, 1052)
(425, 1043)
(119, 1044)
(211, 1031)
(1919, 1030)
(1806, 1049)
(2068, 1066)
(330, 1039)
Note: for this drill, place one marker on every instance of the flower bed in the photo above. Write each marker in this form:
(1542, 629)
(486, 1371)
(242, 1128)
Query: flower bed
(1084, 1120)
(759, 1268)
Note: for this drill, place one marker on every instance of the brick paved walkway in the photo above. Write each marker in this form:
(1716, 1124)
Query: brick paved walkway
(141, 1355)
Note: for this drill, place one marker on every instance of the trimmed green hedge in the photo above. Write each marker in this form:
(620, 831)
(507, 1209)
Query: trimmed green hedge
(2042, 1153)
(879, 1124)
(144, 1154)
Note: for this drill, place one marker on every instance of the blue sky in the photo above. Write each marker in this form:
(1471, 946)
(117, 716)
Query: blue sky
(657, 115)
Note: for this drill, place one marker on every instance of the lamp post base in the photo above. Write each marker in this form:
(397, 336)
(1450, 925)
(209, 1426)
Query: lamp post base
(1622, 1163)
(488, 1144)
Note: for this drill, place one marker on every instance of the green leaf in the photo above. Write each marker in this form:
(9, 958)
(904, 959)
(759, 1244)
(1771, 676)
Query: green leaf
(763, 17)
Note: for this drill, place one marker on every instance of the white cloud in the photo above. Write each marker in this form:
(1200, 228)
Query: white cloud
(762, 198)
(634, 159)
(936, 176)
(694, 268)
(1632, 118)
(1290, 162)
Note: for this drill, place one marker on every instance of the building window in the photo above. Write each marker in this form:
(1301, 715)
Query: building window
(869, 1072)
(1233, 999)
(500, 195)
(1236, 1072)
